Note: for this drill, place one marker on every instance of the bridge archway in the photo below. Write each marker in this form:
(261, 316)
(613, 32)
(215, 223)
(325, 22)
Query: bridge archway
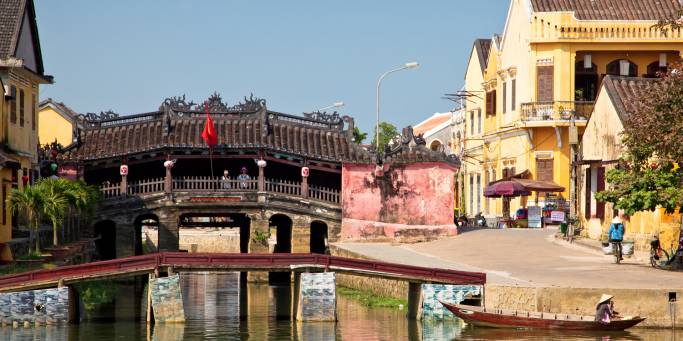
(282, 225)
(318, 241)
(146, 234)
(105, 232)
(214, 232)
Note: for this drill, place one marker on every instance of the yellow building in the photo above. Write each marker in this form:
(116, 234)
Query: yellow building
(544, 74)
(474, 179)
(21, 72)
(57, 122)
(601, 151)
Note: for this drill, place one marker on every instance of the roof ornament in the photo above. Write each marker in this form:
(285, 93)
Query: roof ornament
(250, 104)
(324, 117)
(215, 104)
(177, 103)
(103, 115)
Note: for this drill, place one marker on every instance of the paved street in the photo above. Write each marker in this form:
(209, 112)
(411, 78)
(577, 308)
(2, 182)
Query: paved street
(524, 257)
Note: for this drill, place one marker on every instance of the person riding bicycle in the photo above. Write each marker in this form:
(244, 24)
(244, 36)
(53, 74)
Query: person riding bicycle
(616, 235)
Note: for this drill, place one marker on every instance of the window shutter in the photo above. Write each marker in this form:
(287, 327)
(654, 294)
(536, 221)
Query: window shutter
(13, 107)
(587, 213)
(544, 83)
(513, 105)
(600, 208)
(479, 120)
(489, 104)
(505, 95)
(544, 169)
(21, 108)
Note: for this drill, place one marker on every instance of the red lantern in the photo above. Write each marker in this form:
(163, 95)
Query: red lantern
(24, 180)
(305, 171)
(123, 170)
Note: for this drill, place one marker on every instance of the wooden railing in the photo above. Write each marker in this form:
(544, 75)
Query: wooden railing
(209, 184)
(283, 187)
(324, 194)
(146, 186)
(203, 184)
(556, 111)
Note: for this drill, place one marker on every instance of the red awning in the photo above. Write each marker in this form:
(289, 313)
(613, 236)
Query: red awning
(539, 186)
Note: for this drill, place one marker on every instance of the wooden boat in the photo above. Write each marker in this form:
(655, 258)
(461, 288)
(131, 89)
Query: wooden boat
(479, 316)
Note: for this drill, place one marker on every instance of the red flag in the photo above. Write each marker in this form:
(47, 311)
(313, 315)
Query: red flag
(209, 133)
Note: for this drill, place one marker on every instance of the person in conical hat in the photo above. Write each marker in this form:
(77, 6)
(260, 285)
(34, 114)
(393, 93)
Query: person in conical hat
(604, 312)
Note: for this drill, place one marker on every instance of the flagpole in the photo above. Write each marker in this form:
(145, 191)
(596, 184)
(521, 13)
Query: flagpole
(211, 161)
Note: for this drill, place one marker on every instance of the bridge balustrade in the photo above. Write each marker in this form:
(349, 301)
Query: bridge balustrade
(214, 184)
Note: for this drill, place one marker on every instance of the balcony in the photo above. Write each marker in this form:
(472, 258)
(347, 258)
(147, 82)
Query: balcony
(556, 111)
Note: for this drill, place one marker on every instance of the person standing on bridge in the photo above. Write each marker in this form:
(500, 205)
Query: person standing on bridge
(243, 178)
(225, 179)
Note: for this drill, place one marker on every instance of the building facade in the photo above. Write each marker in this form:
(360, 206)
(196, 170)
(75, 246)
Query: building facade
(56, 123)
(22, 73)
(544, 73)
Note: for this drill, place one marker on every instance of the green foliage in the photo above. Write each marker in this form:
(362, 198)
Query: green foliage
(648, 175)
(371, 300)
(95, 293)
(32, 255)
(28, 201)
(260, 236)
(387, 131)
(19, 268)
(358, 136)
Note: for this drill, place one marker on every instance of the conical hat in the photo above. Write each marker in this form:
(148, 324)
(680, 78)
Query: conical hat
(605, 298)
(616, 220)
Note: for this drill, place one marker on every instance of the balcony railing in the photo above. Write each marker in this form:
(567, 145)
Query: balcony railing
(556, 111)
(207, 184)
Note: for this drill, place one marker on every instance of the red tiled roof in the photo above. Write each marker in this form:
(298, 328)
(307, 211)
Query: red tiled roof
(612, 9)
(11, 16)
(431, 123)
(624, 91)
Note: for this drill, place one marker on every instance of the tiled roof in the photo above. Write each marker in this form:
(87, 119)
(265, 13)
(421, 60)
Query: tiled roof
(431, 123)
(10, 21)
(612, 9)
(410, 148)
(11, 16)
(318, 137)
(624, 91)
(483, 47)
(60, 106)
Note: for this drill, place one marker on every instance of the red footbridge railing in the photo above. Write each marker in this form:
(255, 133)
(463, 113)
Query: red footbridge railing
(181, 261)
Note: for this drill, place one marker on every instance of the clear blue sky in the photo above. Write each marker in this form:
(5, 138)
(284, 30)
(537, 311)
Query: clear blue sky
(301, 55)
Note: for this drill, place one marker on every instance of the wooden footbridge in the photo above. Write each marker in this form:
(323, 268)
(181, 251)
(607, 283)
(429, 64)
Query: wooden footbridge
(282, 262)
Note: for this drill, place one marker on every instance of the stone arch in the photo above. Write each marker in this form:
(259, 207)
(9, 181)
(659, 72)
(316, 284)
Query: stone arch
(283, 232)
(435, 145)
(105, 243)
(319, 239)
(145, 234)
(585, 82)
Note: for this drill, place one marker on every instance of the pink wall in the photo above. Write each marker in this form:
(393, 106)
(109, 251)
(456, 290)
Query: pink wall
(414, 194)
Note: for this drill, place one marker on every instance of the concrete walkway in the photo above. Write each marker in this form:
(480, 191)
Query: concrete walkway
(524, 257)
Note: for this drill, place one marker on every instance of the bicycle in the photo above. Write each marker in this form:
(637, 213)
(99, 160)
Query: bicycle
(660, 258)
(617, 251)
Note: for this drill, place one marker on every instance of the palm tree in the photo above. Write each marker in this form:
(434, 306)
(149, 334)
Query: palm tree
(29, 201)
(57, 195)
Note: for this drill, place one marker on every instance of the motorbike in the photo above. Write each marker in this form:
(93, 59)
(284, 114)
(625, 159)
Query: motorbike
(479, 220)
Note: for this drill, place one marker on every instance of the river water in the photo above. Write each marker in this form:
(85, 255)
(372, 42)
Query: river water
(215, 302)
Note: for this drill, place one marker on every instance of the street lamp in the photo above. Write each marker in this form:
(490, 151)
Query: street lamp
(411, 65)
(334, 105)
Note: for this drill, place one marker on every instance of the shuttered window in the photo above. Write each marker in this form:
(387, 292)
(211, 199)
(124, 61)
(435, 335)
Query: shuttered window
(13, 107)
(513, 97)
(505, 97)
(21, 108)
(478, 193)
(33, 112)
(479, 120)
(587, 213)
(491, 103)
(544, 83)
(472, 122)
(600, 207)
(544, 169)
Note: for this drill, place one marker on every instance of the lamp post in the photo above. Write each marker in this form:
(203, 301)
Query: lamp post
(411, 65)
(334, 105)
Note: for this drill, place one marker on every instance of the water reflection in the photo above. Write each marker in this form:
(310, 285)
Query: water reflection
(224, 307)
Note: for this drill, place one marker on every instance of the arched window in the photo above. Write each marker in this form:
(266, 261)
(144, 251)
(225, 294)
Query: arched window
(435, 145)
(654, 70)
(586, 82)
(622, 67)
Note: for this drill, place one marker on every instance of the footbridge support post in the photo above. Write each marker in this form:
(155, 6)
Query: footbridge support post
(414, 301)
(315, 297)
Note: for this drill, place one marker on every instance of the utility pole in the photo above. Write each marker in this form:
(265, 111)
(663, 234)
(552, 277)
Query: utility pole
(573, 142)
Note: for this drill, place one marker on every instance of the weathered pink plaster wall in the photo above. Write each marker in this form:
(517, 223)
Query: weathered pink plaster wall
(407, 200)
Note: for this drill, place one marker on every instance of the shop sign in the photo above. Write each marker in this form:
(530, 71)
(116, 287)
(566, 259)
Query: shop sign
(68, 172)
(557, 215)
(535, 216)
